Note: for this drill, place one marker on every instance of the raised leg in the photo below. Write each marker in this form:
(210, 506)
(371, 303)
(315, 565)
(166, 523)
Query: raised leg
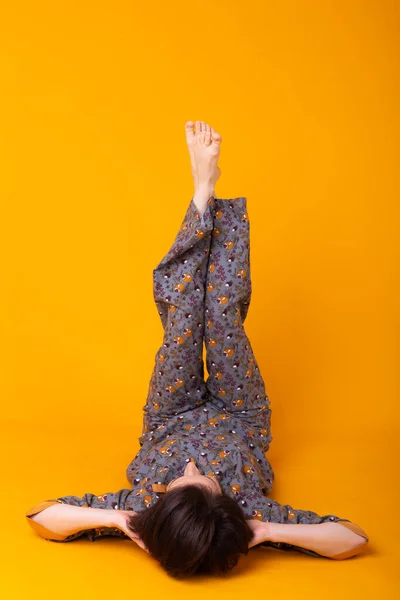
(177, 381)
(235, 382)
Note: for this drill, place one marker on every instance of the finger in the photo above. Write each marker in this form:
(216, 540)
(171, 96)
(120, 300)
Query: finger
(141, 544)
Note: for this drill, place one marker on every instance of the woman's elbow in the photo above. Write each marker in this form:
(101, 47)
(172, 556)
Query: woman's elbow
(32, 519)
(351, 551)
(356, 545)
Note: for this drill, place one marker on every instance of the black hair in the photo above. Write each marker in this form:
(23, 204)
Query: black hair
(191, 530)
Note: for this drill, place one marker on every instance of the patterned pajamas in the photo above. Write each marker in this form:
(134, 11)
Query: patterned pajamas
(202, 290)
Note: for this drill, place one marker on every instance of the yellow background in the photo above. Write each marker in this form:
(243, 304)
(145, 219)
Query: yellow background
(95, 180)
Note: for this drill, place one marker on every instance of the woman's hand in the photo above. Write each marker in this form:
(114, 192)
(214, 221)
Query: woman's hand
(121, 517)
(260, 530)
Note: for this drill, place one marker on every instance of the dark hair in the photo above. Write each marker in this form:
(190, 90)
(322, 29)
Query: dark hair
(191, 530)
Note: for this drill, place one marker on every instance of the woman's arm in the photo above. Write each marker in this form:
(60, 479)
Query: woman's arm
(57, 520)
(67, 518)
(332, 540)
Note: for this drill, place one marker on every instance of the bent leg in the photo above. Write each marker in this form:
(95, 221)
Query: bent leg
(177, 381)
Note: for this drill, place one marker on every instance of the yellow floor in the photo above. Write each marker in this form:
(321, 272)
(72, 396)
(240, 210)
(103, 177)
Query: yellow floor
(356, 483)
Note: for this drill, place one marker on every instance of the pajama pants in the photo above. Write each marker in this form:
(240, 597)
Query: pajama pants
(205, 294)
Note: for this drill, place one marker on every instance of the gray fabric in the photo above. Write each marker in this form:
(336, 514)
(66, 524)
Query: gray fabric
(202, 290)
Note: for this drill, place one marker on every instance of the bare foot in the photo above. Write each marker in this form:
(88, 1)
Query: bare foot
(204, 149)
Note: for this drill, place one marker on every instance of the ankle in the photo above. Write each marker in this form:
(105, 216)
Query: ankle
(202, 195)
(204, 187)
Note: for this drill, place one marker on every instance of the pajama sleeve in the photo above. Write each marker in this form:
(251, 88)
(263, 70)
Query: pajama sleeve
(272, 511)
(121, 500)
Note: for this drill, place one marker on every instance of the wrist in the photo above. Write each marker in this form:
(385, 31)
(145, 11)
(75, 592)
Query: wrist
(117, 519)
(273, 532)
(261, 532)
(120, 517)
(266, 532)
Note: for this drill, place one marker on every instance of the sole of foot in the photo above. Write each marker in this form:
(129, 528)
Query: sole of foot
(204, 145)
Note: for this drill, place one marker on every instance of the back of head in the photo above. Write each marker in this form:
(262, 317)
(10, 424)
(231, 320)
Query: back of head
(190, 530)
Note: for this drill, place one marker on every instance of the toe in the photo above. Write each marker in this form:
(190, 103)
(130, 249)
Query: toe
(207, 135)
(203, 130)
(216, 137)
(189, 128)
(197, 135)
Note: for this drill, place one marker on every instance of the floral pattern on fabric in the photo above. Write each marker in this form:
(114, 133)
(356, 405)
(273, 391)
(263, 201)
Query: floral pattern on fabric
(202, 290)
